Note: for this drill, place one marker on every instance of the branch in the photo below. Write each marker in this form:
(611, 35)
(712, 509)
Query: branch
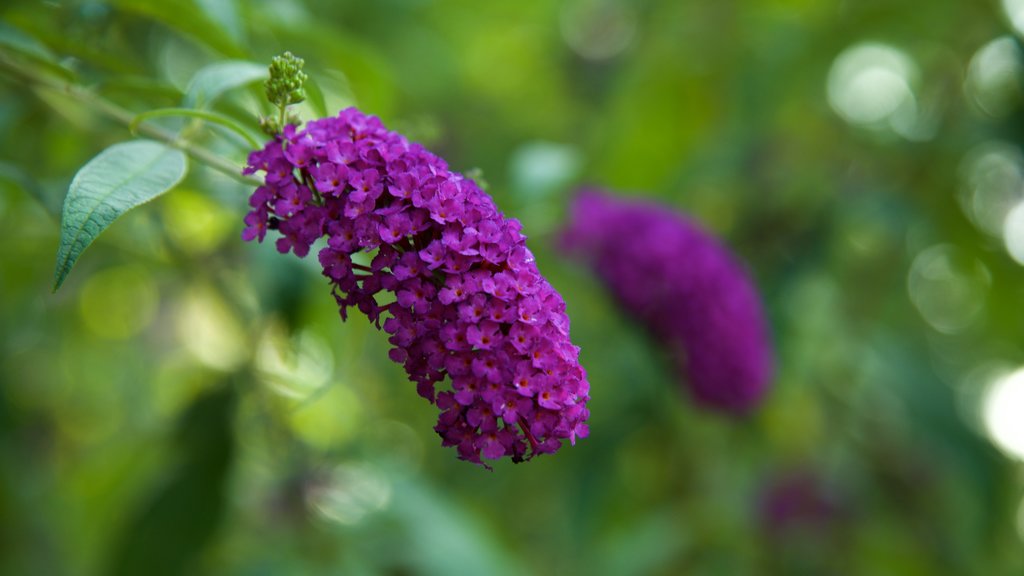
(124, 116)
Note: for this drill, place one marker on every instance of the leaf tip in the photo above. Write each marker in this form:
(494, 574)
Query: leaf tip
(58, 280)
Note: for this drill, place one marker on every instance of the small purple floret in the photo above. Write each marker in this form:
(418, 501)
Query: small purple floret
(469, 303)
(686, 287)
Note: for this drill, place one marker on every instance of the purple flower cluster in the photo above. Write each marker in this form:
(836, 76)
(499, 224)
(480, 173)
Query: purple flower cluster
(448, 275)
(687, 288)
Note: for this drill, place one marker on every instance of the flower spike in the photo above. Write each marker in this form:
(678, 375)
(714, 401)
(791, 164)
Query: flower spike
(686, 287)
(469, 305)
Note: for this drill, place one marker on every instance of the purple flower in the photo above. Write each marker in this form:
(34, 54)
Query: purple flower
(800, 498)
(685, 287)
(468, 305)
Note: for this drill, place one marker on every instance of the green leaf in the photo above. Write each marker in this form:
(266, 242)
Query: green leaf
(117, 180)
(225, 14)
(148, 88)
(642, 546)
(216, 79)
(13, 176)
(443, 536)
(185, 17)
(315, 98)
(215, 117)
(11, 37)
(15, 40)
(169, 531)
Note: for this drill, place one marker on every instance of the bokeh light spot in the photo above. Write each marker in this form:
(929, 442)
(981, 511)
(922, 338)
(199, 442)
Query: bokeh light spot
(1014, 10)
(350, 493)
(1001, 411)
(294, 367)
(328, 419)
(994, 77)
(598, 29)
(1013, 233)
(209, 331)
(118, 302)
(196, 223)
(538, 168)
(992, 182)
(871, 85)
(948, 287)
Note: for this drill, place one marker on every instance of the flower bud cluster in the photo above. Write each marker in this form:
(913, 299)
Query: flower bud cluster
(443, 272)
(284, 87)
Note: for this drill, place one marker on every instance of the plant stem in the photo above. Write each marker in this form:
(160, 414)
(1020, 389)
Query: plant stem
(126, 117)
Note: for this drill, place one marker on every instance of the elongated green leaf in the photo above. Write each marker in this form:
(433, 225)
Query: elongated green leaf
(225, 14)
(12, 37)
(216, 79)
(117, 180)
(315, 98)
(149, 88)
(206, 115)
(13, 176)
(169, 531)
(185, 17)
(445, 537)
(28, 46)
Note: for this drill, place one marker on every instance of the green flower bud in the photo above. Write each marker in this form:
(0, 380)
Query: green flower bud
(284, 87)
(270, 125)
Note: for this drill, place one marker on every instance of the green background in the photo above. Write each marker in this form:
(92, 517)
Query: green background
(189, 403)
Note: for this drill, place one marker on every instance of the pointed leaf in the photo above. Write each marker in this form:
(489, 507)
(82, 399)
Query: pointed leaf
(117, 180)
(213, 80)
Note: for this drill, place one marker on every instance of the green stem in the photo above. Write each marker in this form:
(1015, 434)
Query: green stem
(204, 115)
(126, 117)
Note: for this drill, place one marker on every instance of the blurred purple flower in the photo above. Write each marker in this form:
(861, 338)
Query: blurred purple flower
(469, 302)
(798, 498)
(686, 287)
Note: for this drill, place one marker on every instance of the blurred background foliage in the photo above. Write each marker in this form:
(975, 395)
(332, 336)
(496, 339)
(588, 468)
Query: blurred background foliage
(190, 404)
